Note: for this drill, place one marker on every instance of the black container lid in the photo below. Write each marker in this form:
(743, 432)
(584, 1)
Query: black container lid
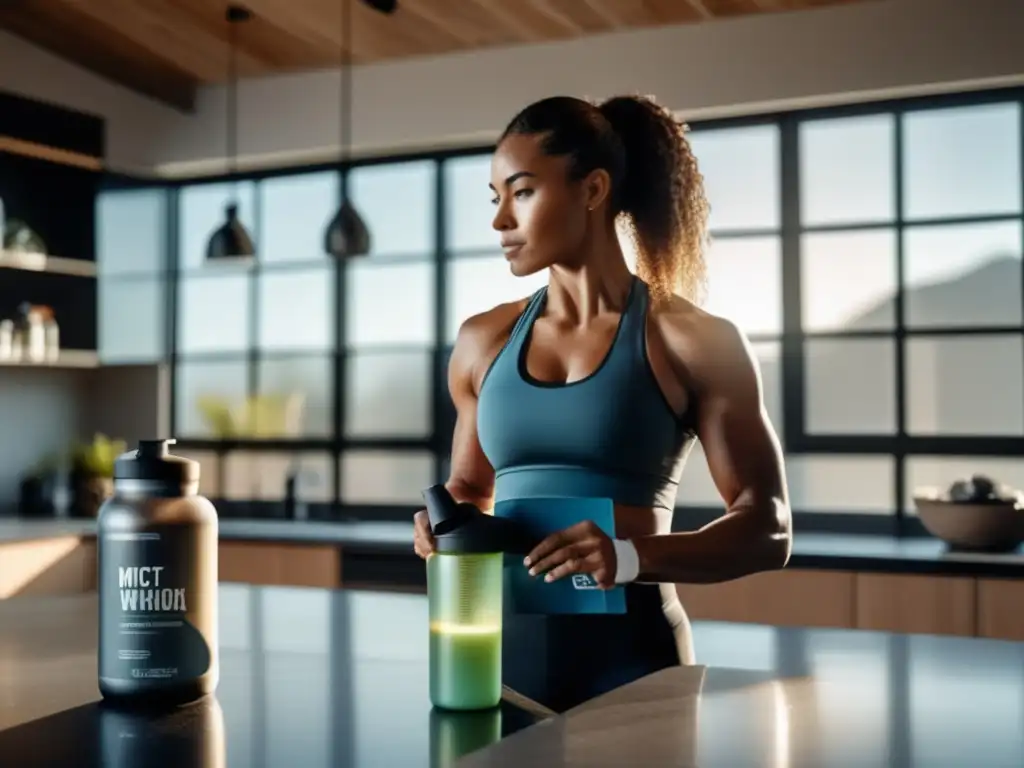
(151, 461)
(461, 528)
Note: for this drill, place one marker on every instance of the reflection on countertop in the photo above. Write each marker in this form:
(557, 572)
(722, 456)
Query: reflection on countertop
(95, 734)
(319, 678)
(309, 678)
(810, 550)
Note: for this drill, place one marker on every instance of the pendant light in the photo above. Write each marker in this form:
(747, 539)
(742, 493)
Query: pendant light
(231, 241)
(347, 235)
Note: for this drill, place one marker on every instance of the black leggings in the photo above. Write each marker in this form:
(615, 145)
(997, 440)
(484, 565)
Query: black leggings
(562, 661)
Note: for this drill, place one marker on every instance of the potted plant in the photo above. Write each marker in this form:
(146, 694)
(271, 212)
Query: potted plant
(39, 488)
(92, 474)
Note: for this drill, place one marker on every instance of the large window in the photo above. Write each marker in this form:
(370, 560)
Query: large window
(741, 167)
(871, 253)
(845, 248)
(894, 275)
(911, 355)
(132, 263)
(390, 308)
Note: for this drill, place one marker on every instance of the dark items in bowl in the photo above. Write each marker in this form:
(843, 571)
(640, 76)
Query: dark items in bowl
(980, 489)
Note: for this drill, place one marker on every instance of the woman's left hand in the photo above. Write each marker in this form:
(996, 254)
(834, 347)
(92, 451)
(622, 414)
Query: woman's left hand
(581, 548)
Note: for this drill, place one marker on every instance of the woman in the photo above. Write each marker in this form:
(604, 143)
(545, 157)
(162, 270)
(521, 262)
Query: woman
(598, 384)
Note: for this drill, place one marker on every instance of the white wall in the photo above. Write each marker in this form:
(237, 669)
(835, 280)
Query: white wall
(746, 64)
(132, 120)
(43, 411)
(39, 417)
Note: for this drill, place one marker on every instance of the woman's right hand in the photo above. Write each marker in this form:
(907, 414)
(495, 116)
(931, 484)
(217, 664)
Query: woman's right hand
(423, 539)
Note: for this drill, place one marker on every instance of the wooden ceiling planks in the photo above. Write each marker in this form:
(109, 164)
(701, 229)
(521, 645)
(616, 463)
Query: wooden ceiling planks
(165, 49)
(98, 47)
(649, 13)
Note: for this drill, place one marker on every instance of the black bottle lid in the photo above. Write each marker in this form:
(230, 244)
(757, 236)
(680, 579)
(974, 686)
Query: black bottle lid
(461, 528)
(152, 462)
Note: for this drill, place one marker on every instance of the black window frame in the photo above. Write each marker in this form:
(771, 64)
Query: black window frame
(793, 371)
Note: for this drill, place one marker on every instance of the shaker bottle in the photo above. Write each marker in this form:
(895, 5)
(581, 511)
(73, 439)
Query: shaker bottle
(464, 593)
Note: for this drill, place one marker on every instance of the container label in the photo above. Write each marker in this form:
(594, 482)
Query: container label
(141, 591)
(158, 592)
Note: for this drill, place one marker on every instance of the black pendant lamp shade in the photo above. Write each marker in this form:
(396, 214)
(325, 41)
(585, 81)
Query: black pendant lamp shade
(232, 241)
(384, 6)
(347, 235)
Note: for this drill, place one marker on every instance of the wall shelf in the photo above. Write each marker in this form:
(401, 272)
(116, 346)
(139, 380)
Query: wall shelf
(56, 265)
(68, 358)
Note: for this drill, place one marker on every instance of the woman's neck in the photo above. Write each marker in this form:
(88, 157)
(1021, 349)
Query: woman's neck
(597, 283)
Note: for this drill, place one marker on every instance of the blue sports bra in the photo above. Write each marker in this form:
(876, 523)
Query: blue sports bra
(609, 435)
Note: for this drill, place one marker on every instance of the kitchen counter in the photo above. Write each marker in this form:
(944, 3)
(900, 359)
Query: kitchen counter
(385, 535)
(318, 678)
(884, 554)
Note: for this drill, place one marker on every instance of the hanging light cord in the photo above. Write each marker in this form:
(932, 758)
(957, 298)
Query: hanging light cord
(345, 118)
(232, 100)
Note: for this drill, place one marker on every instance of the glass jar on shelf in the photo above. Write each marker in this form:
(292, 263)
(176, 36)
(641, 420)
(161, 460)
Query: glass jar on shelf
(51, 334)
(34, 332)
(6, 339)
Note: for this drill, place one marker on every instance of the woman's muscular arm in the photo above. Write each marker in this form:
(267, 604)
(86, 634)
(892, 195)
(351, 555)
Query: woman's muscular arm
(743, 455)
(471, 478)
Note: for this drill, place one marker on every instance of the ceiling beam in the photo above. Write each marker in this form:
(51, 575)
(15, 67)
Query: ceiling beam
(166, 49)
(97, 47)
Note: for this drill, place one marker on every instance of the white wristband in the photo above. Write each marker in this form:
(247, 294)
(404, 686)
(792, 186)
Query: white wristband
(627, 561)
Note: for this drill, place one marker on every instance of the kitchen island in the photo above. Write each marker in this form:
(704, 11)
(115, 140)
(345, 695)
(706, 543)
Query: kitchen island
(314, 678)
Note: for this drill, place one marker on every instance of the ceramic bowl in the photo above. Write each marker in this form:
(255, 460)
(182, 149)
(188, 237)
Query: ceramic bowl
(994, 525)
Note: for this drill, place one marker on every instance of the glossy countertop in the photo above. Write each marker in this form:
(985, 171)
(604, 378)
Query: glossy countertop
(888, 554)
(317, 679)
(309, 679)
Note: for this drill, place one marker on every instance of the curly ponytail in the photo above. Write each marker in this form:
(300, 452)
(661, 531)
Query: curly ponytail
(662, 195)
(657, 188)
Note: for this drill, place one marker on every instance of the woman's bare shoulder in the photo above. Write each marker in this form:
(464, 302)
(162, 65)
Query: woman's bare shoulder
(484, 328)
(481, 337)
(703, 343)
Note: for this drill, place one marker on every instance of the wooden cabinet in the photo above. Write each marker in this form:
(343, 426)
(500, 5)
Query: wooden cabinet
(66, 565)
(791, 597)
(1001, 608)
(280, 564)
(936, 605)
(63, 565)
(886, 602)
(876, 601)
